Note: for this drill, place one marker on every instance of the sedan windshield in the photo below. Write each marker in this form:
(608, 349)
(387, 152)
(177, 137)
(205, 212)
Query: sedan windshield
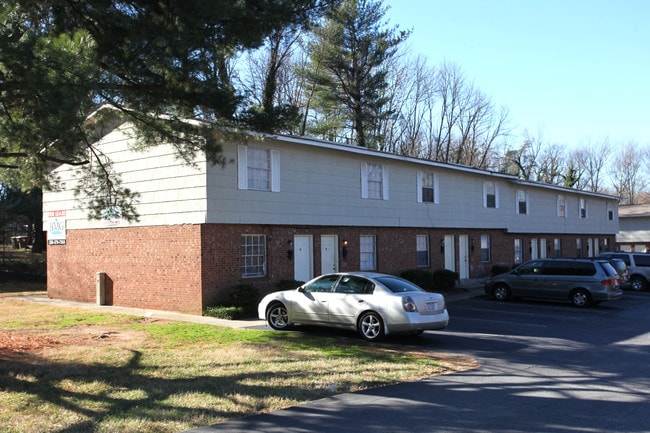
(398, 285)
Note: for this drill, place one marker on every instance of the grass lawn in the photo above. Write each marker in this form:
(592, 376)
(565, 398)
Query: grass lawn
(70, 370)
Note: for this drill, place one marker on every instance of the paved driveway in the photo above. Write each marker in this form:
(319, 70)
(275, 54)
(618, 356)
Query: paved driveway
(544, 368)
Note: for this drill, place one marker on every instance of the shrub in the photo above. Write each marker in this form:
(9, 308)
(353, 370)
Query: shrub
(241, 302)
(289, 284)
(444, 279)
(227, 313)
(420, 277)
(244, 296)
(499, 269)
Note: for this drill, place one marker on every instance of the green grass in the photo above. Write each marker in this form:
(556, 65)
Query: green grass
(107, 373)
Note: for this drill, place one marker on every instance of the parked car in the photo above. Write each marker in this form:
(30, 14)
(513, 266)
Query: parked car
(371, 303)
(638, 265)
(580, 281)
(622, 271)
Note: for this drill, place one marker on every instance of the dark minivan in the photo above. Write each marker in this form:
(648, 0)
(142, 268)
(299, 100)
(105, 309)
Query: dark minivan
(581, 281)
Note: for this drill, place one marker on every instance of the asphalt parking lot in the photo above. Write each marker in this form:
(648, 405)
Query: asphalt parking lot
(545, 367)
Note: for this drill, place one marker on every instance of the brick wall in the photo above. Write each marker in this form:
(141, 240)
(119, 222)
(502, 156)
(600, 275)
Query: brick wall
(155, 267)
(187, 267)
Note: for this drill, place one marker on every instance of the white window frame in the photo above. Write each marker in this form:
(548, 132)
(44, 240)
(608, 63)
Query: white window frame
(583, 209)
(486, 187)
(561, 206)
(519, 251)
(579, 246)
(367, 252)
(557, 247)
(423, 178)
(423, 259)
(610, 212)
(366, 171)
(486, 252)
(253, 254)
(519, 194)
(243, 168)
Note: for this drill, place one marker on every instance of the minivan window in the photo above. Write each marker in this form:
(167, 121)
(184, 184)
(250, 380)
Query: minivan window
(557, 267)
(583, 268)
(642, 259)
(530, 268)
(609, 269)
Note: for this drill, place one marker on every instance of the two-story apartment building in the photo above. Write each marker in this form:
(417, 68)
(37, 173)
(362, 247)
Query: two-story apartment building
(292, 208)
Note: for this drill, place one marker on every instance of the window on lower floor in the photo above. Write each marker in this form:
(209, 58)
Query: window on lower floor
(368, 253)
(579, 248)
(422, 245)
(253, 255)
(485, 248)
(557, 247)
(519, 251)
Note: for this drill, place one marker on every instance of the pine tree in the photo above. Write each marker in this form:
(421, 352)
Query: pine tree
(349, 55)
(156, 63)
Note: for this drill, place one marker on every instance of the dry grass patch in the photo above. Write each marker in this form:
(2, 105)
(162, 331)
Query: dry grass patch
(70, 370)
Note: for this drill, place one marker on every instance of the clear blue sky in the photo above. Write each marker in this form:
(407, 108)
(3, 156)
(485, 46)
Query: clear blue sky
(577, 70)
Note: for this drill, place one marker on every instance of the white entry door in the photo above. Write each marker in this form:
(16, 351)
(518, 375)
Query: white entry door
(303, 269)
(463, 254)
(329, 254)
(450, 253)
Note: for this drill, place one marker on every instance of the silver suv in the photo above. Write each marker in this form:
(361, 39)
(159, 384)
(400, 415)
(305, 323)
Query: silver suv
(580, 281)
(638, 265)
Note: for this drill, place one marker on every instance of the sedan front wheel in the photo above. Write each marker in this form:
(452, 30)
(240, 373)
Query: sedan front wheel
(371, 327)
(277, 316)
(501, 292)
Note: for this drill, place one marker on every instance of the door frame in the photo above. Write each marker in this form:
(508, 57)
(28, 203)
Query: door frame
(329, 253)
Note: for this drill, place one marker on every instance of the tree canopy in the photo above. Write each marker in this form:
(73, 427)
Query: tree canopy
(156, 63)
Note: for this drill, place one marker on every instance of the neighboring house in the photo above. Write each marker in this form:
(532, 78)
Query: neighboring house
(634, 230)
(292, 208)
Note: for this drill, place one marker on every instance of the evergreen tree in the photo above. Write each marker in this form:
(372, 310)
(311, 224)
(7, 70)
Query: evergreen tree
(349, 58)
(156, 63)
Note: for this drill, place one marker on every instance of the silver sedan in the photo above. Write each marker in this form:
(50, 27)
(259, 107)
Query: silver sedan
(371, 303)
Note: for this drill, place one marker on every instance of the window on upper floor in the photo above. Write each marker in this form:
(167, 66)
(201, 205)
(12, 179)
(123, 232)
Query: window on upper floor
(258, 169)
(522, 202)
(422, 246)
(610, 212)
(427, 188)
(561, 206)
(374, 181)
(583, 209)
(490, 194)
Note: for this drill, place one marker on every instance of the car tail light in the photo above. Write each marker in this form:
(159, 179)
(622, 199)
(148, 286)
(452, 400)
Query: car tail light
(409, 304)
(610, 282)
